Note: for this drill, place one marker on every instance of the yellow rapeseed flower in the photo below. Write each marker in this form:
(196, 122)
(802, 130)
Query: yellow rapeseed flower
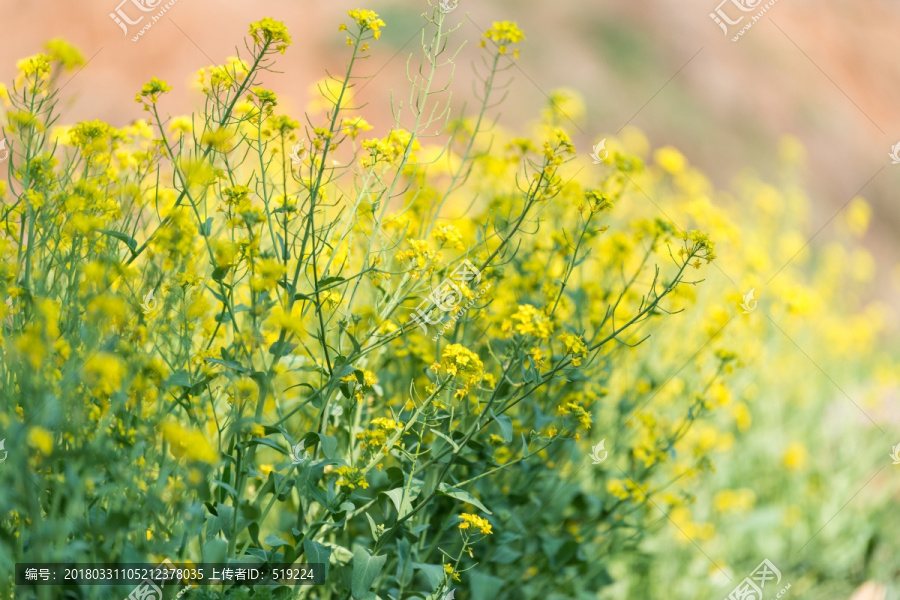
(268, 31)
(475, 522)
(41, 440)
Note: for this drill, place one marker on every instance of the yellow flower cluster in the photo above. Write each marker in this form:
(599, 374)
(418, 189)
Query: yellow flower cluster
(461, 362)
(269, 31)
(475, 522)
(575, 346)
(420, 257)
(151, 91)
(528, 320)
(351, 477)
(188, 443)
(366, 20)
(504, 33)
(574, 409)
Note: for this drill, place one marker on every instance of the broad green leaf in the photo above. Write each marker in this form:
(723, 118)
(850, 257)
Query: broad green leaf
(506, 428)
(317, 553)
(434, 574)
(179, 378)
(329, 445)
(446, 437)
(462, 495)
(365, 570)
(282, 348)
(484, 587)
(275, 541)
(226, 487)
(215, 551)
(401, 503)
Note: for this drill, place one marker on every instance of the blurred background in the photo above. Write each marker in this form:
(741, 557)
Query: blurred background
(825, 72)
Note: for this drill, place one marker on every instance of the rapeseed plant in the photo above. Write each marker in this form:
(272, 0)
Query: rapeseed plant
(277, 298)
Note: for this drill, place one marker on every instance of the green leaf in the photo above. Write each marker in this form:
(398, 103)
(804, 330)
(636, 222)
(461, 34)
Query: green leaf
(206, 228)
(253, 530)
(179, 378)
(317, 553)
(434, 574)
(329, 445)
(282, 348)
(129, 241)
(226, 487)
(228, 363)
(485, 587)
(462, 495)
(372, 526)
(401, 503)
(220, 272)
(506, 428)
(212, 526)
(214, 551)
(365, 570)
(265, 442)
(446, 437)
(275, 541)
(328, 281)
(226, 519)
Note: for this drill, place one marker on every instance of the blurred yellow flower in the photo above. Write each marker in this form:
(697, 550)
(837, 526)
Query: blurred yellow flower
(795, 456)
(41, 440)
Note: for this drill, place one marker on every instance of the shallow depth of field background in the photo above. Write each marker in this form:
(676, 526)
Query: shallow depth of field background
(827, 73)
